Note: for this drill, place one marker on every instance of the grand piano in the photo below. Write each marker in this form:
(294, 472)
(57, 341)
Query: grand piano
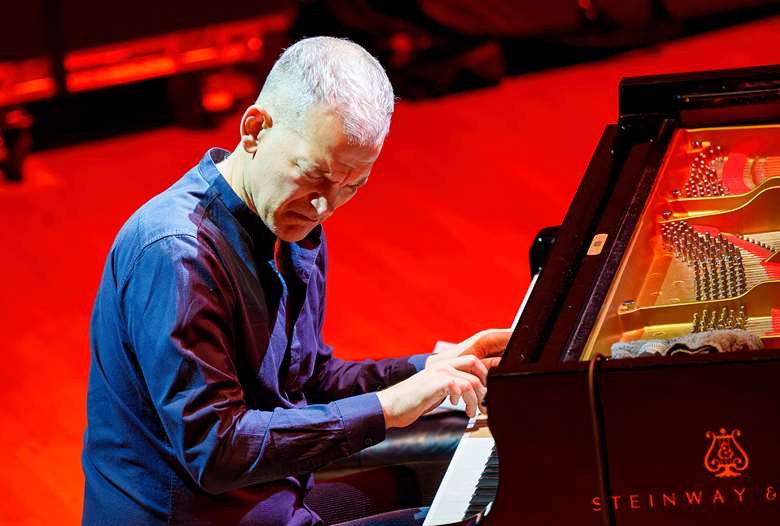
(675, 230)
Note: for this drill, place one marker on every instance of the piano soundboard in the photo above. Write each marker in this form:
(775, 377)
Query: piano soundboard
(706, 252)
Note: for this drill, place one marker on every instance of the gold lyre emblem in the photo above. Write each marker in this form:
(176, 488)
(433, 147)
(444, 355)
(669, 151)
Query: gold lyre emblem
(725, 457)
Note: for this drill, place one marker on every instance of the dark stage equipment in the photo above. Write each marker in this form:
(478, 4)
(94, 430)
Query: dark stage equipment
(435, 47)
(56, 50)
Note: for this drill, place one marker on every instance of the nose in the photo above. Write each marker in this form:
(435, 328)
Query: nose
(320, 204)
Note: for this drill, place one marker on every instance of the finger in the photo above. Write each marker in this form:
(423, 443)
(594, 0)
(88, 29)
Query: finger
(437, 396)
(470, 398)
(493, 342)
(454, 389)
(491, 362)
(471, 391)
(482, 406)
(473, 383)
(471, 364)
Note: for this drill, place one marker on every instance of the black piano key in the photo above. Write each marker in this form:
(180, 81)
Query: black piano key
(486, 488)
(479, 498)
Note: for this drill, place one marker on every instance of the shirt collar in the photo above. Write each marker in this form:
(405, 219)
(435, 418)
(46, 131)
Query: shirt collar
(256, 227)
(302, 255)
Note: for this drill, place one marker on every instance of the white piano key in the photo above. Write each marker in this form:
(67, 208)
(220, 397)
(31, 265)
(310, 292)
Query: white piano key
(460, 481)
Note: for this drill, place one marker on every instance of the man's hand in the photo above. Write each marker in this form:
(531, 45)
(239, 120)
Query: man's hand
(462, 376)
(486, 345)
(460, 372)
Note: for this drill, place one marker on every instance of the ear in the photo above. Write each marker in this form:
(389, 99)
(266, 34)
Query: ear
(253, 122)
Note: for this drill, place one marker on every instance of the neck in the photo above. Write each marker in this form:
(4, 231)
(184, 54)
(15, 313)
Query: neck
(233, 168)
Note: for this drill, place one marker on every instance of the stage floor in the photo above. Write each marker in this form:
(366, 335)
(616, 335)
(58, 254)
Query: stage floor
(435, 247)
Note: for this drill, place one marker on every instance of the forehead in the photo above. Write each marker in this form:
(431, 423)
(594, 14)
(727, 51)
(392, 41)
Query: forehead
(326, 143)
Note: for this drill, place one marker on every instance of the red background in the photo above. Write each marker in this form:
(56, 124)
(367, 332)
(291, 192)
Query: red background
(435, 247)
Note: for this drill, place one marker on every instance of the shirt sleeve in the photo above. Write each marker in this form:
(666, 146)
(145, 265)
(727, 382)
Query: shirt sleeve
(177, 303)
(336, 379)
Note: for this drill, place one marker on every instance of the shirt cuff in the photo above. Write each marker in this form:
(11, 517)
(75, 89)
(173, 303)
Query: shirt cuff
(418, 360)
(364, 421)
(399, 369)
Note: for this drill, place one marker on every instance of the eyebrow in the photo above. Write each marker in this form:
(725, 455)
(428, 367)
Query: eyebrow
(316, 167)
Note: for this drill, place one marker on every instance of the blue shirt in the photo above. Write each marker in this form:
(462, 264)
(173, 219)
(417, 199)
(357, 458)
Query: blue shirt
(212, 396)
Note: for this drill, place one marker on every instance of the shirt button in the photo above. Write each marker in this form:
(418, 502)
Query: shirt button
(368, 441)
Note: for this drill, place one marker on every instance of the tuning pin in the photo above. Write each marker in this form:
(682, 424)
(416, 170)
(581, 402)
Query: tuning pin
(713, 321)
(722, 318)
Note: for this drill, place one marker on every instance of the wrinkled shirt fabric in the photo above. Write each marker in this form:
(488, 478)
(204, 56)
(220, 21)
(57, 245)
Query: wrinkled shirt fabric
(212, 396)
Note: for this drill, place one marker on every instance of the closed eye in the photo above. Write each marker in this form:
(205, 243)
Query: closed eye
(311, 176)
(306, 172)
(358, 184)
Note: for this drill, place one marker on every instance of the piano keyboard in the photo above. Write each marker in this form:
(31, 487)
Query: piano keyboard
(471, 480)
(487, 486)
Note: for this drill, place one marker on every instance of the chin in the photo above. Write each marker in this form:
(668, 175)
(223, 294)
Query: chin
(293, 234)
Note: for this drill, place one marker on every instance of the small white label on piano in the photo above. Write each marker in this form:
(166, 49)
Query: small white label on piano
(597, 244)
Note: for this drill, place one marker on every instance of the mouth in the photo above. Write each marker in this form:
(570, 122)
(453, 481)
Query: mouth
(302, 217)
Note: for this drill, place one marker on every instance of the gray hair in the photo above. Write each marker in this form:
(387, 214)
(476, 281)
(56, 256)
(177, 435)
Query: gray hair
(336, 73)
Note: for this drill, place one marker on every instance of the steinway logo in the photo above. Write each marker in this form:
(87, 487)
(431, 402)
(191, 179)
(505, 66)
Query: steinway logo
(725, 458)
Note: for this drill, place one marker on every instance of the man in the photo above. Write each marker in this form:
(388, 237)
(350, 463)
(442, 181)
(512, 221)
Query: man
(212, 397)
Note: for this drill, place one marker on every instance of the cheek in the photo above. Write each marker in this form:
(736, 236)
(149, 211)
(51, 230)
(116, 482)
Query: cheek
(286, 188)
(292, 197)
